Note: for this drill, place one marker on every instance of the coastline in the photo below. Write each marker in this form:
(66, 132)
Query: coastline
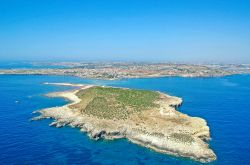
(114, 71)
(124, 78)
(114, 129)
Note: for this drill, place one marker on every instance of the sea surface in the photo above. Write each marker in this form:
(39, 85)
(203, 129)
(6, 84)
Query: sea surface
(224, 102)
(27, 65)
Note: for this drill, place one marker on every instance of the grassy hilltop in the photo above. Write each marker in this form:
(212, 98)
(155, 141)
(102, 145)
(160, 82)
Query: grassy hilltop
(111, 103)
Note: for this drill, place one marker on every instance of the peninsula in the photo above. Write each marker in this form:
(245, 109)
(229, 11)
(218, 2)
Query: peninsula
(146, 118)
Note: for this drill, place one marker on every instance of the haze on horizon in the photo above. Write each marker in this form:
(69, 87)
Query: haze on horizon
(116, 30)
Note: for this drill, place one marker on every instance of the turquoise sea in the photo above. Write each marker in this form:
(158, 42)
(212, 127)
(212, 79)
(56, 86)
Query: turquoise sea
(224, 102)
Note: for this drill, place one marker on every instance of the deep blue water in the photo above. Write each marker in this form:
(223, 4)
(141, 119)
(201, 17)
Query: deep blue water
(224, 102)
(25, 65)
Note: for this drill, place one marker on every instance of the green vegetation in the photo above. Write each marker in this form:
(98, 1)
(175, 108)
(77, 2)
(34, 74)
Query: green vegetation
(143, 131)
(182, 137)
(110, 103)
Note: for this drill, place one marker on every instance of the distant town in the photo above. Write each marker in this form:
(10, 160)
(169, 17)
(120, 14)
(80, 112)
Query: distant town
(121, 70)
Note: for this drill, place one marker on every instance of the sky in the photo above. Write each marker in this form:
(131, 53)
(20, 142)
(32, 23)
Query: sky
(125, 30)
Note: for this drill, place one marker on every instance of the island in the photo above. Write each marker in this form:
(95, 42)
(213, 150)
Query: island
(146, 118)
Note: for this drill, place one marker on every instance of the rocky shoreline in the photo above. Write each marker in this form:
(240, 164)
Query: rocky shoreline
(162, 129)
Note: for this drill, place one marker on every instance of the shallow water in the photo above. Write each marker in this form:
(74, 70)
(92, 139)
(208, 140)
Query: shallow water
(224, 102)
